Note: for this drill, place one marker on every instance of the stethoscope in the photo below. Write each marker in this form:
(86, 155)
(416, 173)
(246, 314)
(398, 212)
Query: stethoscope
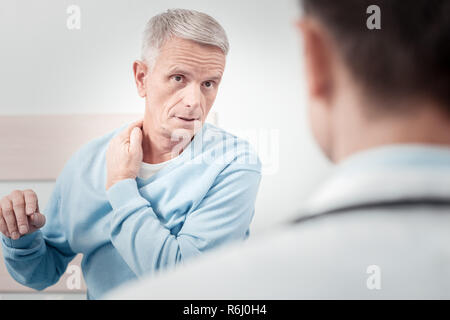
(405, 202)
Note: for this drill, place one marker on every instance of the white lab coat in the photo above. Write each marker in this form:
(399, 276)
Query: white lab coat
(374, 231)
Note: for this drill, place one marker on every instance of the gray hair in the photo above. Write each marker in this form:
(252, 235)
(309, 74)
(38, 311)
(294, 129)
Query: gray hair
(185, 24)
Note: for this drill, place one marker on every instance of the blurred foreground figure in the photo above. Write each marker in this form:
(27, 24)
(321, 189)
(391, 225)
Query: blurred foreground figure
(380, 227)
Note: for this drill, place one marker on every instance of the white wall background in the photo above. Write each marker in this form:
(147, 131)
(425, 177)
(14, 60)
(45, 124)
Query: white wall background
(47, 68)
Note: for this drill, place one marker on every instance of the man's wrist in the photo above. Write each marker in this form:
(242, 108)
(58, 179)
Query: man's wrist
(112, 182)
(125, 193)
(23, 242)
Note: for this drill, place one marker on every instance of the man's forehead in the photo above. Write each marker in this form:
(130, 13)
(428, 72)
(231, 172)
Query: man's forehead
(176, 43)
(186, 54)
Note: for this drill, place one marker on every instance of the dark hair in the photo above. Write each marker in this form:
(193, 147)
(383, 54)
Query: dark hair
(408, 56)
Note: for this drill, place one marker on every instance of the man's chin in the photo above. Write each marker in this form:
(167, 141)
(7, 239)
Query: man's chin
(183, 134)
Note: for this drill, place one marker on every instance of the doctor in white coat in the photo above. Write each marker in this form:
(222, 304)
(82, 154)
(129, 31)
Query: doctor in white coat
(380, 227)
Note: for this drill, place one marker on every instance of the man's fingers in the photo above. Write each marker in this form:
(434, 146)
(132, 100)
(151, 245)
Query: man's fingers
(37, 220)
(10, 218)
(18, 203)
(135, 140)
(127, 132)
(3, 226)
(31, 202)
(139, 123)
(19, 214)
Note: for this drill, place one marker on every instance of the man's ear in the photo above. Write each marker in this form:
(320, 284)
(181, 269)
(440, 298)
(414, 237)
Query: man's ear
(318, 60)
(140, 70)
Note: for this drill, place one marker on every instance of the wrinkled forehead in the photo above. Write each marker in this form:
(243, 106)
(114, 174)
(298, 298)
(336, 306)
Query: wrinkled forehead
(198, 58)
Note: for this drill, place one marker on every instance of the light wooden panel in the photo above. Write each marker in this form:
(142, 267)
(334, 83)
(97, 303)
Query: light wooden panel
(37, 147)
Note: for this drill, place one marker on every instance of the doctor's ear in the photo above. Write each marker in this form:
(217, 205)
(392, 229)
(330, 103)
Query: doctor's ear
(317, 59)
(140, 71)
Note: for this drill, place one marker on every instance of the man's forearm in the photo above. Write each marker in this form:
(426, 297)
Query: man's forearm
(137, 233)
(31, 262)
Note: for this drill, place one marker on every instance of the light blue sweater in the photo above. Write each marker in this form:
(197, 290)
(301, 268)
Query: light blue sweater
(201, 200)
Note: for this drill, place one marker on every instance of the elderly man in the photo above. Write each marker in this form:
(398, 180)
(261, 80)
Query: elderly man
(149, 196)
(379, 228)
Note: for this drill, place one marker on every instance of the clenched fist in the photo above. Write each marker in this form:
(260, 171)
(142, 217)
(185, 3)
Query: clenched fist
(124, 155)
(19, 214)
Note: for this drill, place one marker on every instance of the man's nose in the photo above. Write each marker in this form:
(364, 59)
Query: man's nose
(193, 96)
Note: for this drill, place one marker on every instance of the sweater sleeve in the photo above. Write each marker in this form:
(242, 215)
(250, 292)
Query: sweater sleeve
(38, 260)
(147, 245)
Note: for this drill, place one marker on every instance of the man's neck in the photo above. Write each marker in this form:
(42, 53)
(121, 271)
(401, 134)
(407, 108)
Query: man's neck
(158, 147)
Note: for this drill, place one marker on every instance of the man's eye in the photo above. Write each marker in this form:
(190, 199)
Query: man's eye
(177, 78)
(208, 84)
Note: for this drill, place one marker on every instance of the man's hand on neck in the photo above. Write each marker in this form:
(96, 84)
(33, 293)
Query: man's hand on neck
(124, 155)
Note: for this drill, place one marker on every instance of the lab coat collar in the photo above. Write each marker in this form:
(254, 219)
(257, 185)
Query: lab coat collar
(386, 175)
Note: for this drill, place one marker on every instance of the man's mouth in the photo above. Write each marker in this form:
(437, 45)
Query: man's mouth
(187, 119)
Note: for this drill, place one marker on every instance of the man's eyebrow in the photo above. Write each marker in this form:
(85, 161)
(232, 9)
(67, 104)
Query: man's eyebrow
(178, 70)
(216, 78)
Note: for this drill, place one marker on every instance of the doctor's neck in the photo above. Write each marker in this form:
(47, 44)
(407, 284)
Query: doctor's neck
(364, 126)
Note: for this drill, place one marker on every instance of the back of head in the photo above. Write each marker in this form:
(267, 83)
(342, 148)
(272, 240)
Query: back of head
(408, 56)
